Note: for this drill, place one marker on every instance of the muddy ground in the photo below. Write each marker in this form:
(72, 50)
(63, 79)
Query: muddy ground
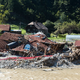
(40, 74)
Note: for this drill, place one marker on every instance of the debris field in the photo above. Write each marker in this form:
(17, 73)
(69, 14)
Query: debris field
(36, 51)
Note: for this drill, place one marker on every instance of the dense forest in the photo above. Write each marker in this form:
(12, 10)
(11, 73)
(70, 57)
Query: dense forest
(61, 16)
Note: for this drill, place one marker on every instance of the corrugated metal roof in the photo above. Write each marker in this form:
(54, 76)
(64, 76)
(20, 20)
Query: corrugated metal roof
(3, 45)
(6, 38)
(10, 36)
(40, 38)
(77, 43)
(39, 41)
(5, 27)
(20, 48)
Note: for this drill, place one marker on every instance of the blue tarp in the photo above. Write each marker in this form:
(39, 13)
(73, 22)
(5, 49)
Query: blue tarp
(27, 47)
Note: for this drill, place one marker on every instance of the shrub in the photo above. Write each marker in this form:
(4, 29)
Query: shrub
(62, 35)
(50, 25)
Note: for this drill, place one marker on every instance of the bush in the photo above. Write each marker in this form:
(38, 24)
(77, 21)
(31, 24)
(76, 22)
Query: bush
(62, 35)
(50, 25)
(66, 27)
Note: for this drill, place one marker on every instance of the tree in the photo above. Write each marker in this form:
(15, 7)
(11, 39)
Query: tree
(67, 27)
(4, 14)
(50, 25)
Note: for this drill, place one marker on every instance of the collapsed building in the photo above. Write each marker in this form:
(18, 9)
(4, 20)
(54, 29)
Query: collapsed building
(38, 44)
(32, 46)
(29, 45)
(35, 45)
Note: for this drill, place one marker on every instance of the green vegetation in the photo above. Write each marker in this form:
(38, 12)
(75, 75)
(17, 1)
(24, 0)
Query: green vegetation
(23, 31)
(60, 16)
(14, 27)
(17, 27)
(58, 39)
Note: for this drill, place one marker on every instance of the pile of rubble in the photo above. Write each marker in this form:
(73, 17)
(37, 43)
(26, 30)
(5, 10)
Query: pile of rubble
(40, 62)
(29, 45)
(62, 54)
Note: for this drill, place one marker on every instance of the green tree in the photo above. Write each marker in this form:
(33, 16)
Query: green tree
(50, 25)
(67, 27)
(4, 14)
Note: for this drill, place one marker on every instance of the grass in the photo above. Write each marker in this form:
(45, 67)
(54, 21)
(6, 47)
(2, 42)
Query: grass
(17, 27)
(61, 37)
(23, 31)
(58, 39)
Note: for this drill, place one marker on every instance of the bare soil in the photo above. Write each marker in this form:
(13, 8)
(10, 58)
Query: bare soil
(40, 74)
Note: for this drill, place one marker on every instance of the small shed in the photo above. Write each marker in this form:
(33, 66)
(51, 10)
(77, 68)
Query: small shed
(5, 28)
(34, 27)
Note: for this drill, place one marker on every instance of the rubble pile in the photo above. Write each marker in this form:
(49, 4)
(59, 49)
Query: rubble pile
(53, 61)
(62, 54)
(64, 60)
(37, 44)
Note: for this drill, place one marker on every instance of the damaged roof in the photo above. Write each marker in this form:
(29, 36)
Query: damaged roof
(38, 25)
(40, 38)
(20, 48)
(35, 42)
(5, 27)
(10, 36)
(77, 43)
(6, 38)
(3, 45)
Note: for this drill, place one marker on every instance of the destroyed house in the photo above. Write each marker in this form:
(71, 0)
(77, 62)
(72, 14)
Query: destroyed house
(38, 44)
(5, 28)
(35, 27)
(20, 50)
(40, 41)
(9, 40)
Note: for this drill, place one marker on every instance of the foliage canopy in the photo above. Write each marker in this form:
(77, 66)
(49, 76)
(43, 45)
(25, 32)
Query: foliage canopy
(63, 13)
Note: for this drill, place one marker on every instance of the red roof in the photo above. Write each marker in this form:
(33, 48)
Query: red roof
(40, 38)
(38, 44)
(77, 43)
(3, 45)
(6, 38)
(5, 27)
(10, 36)
(19, 48)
